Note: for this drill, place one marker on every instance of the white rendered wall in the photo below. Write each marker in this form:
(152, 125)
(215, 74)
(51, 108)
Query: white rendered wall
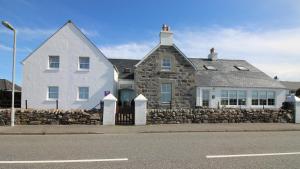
(69, 44)
(216, 91)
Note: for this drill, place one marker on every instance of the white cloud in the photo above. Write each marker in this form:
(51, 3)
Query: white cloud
(37, 33)
(129, 51)
(9, 49)
(276, 52)
(90, 33)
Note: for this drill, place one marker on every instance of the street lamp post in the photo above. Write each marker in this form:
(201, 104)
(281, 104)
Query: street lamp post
(9, 26)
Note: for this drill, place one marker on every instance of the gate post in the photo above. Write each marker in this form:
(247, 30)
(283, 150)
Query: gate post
(140, 111)
(297, 109)
(109, 111)
(296, 101)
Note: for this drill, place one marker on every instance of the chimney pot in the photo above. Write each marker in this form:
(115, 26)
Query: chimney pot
(213, 56)
(165, 28)
(166, 37)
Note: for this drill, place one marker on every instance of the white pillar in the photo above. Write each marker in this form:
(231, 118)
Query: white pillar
(140, 111)
(296, 101)
(297, 109)
(109, 111)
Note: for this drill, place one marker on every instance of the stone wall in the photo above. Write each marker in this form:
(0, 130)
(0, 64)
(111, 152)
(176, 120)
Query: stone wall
(206, 115)
(148, 77)
(44, 117)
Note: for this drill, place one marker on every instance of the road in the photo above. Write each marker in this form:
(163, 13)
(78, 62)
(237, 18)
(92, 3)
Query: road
(153, 150)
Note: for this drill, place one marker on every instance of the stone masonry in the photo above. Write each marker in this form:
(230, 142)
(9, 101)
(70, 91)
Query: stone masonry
(51, 117)
(149, 76)
(209, 115)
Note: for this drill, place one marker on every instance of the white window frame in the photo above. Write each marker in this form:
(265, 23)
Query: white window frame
(259, 98)
(237, 97)
(79, 63)
(79, 92)
(48, 93)
(204, 99)
(166, 67)
(51, 62)
(162, 92)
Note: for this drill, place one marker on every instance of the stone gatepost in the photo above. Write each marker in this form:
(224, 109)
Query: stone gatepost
(109, 110)
(140, 111)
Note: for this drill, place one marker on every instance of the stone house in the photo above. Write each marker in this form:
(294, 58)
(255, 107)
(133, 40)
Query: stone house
(69, 70)
(169, 79)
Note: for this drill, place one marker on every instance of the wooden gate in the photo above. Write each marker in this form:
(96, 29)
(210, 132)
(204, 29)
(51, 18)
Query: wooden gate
(125, 114)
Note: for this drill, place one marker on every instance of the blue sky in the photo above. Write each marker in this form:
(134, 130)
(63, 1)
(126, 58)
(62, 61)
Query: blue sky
(264, 32)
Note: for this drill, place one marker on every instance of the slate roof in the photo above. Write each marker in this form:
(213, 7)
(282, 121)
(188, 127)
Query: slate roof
(120, 64)
(291, 85)
(227, 75)
(6, 85)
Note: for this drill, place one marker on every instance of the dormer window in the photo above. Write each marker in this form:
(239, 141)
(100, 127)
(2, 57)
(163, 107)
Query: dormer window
(242, 68)
(166, 64)
(126, 70)
(210, 67)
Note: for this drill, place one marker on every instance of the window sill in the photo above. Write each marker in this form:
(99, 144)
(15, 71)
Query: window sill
(166, 71)
(51, 100)
(83, 70)
(52, 69)
(82, 100)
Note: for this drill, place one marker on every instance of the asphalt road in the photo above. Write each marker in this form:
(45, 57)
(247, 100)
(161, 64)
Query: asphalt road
(154, 150)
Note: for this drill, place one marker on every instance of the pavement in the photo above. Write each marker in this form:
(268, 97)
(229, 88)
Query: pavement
(163, 128)
(193, 150)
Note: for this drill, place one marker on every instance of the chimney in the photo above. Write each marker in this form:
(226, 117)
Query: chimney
(166, 37)
(213, 56)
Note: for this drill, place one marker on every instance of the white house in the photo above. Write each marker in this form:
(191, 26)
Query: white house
(67, 69)
(235, 83)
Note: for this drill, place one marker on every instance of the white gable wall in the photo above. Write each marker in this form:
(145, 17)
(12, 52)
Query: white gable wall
(68, 43)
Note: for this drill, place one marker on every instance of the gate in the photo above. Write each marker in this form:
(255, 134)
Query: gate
(125, 113)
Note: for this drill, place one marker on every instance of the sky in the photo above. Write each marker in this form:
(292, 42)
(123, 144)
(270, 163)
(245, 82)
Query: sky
(266, 33)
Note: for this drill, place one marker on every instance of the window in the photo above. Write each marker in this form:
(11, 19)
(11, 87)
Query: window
(126, 70)
(241, 68)
(271, 98)
(263, 98)
(52, 92)
(84, 63)
(83, 93)
(233, 97)
(224, 97)
(242, 97)
(254, 98)
(205, 98)
(166, 64)
(166, 92)
(54, 62)
(210, 67)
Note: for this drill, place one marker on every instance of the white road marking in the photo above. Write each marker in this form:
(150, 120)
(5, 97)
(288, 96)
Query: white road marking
(63, 161)
(252, 155)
